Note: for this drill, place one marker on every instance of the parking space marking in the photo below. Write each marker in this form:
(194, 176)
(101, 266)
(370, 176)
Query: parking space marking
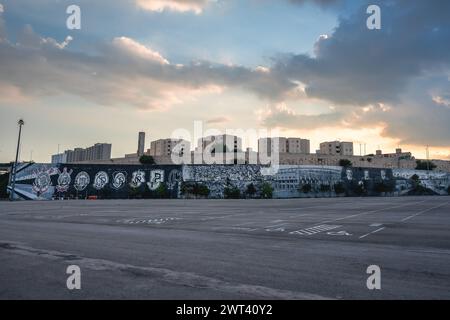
(368, 234)
(314, 230)
(369, 212)
(276, 226)
(423, 211)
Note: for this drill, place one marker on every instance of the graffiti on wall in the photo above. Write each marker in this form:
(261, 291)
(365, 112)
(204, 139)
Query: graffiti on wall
(44, 182)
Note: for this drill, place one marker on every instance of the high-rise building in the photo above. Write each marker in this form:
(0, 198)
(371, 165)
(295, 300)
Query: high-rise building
(283, 145)
(221, 144)
(141, 144)
(99, 151)
(165, 147)
(59, 158)
(336, 148)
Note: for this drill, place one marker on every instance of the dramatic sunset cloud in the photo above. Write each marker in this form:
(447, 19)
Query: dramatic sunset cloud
(229, 64)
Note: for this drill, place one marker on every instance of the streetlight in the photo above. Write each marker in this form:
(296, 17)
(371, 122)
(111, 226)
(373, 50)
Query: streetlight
(13, 185)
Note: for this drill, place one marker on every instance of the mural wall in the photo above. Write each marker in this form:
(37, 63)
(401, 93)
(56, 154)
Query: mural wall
(46, 182)
(71, 181)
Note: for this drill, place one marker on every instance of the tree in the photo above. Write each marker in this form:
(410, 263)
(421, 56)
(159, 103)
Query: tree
(251, 190)
(345, 163)
(162, 191)
(147, 160)
(266, 191)
(195, 189)
(425, 165)
(448, 190)
(232, 192)
(201, 190)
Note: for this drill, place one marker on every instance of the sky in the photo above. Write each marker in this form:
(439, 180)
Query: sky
(305, 68)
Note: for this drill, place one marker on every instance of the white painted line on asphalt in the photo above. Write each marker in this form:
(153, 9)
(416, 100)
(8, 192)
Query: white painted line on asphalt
(375, 225)
(275, 226)
(424, 211)
(369, 212)
(378, 230)
(314, 230)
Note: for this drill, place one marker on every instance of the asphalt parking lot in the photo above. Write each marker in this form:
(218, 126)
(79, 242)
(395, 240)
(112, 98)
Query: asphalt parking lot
(226, 249)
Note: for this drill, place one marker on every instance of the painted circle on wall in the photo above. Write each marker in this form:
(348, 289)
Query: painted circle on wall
(81, 181)
(101, 179)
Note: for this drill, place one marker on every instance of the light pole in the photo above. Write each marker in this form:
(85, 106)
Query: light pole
(13, 185)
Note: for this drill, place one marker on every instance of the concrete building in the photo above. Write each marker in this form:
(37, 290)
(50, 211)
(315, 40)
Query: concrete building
(221, 143)
(336, 148)
(99, 151)
(141, 144)
(165, 147)
(283, 145)
(398, 154)
(59, 158)
(297, 145)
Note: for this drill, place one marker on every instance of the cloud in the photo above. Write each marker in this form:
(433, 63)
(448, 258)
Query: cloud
(218, 120)
(322, 3)
(405, 66)
(134, 48)
(355, 65)
(280, 116)
(195, 6)
(2, 24)
(122, 72)
(442, 101)
(396, 77)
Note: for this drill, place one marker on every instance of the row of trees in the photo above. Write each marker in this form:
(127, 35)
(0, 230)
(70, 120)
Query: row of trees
(420, 164)
(198, 190)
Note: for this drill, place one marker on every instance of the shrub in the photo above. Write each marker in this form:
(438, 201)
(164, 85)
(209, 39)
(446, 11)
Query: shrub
(251, 190)
(162, 191)
(383, 187)
(201, 190)
(425, 165)
(266, 191)
(146, 160)
(345, 163)
(134, 193)
(195, 189)
(232, 193)
(325, 188)
(339, 188)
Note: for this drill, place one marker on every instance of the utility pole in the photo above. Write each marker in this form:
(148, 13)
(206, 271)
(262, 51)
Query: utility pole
(428, 159)
(13, 185)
